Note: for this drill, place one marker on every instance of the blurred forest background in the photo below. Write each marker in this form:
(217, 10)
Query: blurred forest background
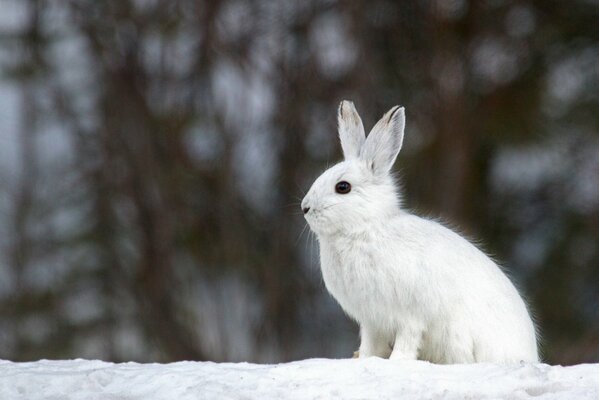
(153, 154)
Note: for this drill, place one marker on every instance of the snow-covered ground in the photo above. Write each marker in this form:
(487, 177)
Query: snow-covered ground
(309, 379)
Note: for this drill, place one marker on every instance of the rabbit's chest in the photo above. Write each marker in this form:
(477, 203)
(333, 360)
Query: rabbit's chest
(359, 279)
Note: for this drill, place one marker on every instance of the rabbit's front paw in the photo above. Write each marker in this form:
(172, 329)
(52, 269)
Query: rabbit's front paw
(406, 345)
(373, 344)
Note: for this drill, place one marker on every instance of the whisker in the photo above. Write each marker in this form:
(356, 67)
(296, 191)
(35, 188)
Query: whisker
(330, 205)
(300, 189)
(312, 244)
(306, 244)
(300, 235)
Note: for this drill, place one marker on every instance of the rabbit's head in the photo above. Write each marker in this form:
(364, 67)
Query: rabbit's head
(351, 195)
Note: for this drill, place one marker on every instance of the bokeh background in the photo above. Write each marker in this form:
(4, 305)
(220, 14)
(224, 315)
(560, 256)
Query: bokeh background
(153, 154)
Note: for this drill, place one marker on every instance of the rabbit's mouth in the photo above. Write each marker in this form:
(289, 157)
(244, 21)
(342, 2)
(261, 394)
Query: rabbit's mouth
(319, 221)
(314, 218)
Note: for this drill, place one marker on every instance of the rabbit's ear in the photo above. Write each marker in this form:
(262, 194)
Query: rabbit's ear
(351, 130)
(384, 141)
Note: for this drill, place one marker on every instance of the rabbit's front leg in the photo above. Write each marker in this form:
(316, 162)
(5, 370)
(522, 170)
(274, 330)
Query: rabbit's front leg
(373, 343)
(407, 342)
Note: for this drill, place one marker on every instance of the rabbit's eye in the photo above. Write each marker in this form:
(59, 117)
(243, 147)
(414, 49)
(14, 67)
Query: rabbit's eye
(342, 187)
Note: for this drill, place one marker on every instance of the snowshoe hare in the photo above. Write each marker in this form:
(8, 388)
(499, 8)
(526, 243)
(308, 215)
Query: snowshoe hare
(417, 289)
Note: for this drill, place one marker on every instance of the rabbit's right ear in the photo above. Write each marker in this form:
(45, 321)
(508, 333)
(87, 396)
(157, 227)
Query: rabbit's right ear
(384, 141)
(351, 130)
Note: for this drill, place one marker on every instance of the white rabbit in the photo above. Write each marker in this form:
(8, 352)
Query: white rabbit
(417, 289)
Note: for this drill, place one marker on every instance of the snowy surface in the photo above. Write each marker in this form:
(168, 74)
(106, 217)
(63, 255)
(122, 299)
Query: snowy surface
(309, 379)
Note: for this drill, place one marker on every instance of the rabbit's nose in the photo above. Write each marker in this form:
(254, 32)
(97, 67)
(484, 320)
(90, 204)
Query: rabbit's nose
(305, 207)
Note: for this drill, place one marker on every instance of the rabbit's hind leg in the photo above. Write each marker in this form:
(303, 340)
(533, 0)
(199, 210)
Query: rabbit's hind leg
(457, 346)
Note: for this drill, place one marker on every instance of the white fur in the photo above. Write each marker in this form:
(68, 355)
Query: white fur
(417, 289)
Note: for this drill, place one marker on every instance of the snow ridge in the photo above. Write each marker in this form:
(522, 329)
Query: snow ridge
(371, 378)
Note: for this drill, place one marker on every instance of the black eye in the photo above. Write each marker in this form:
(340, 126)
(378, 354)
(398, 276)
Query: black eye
(342, 187)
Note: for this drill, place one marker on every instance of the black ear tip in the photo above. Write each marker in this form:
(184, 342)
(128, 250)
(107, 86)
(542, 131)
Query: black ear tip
(395, 111)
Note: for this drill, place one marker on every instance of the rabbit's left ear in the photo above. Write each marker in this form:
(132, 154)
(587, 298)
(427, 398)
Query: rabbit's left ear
(351, 130)
(384, 141)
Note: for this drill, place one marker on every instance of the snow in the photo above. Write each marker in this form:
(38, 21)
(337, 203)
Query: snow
(371, 378)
